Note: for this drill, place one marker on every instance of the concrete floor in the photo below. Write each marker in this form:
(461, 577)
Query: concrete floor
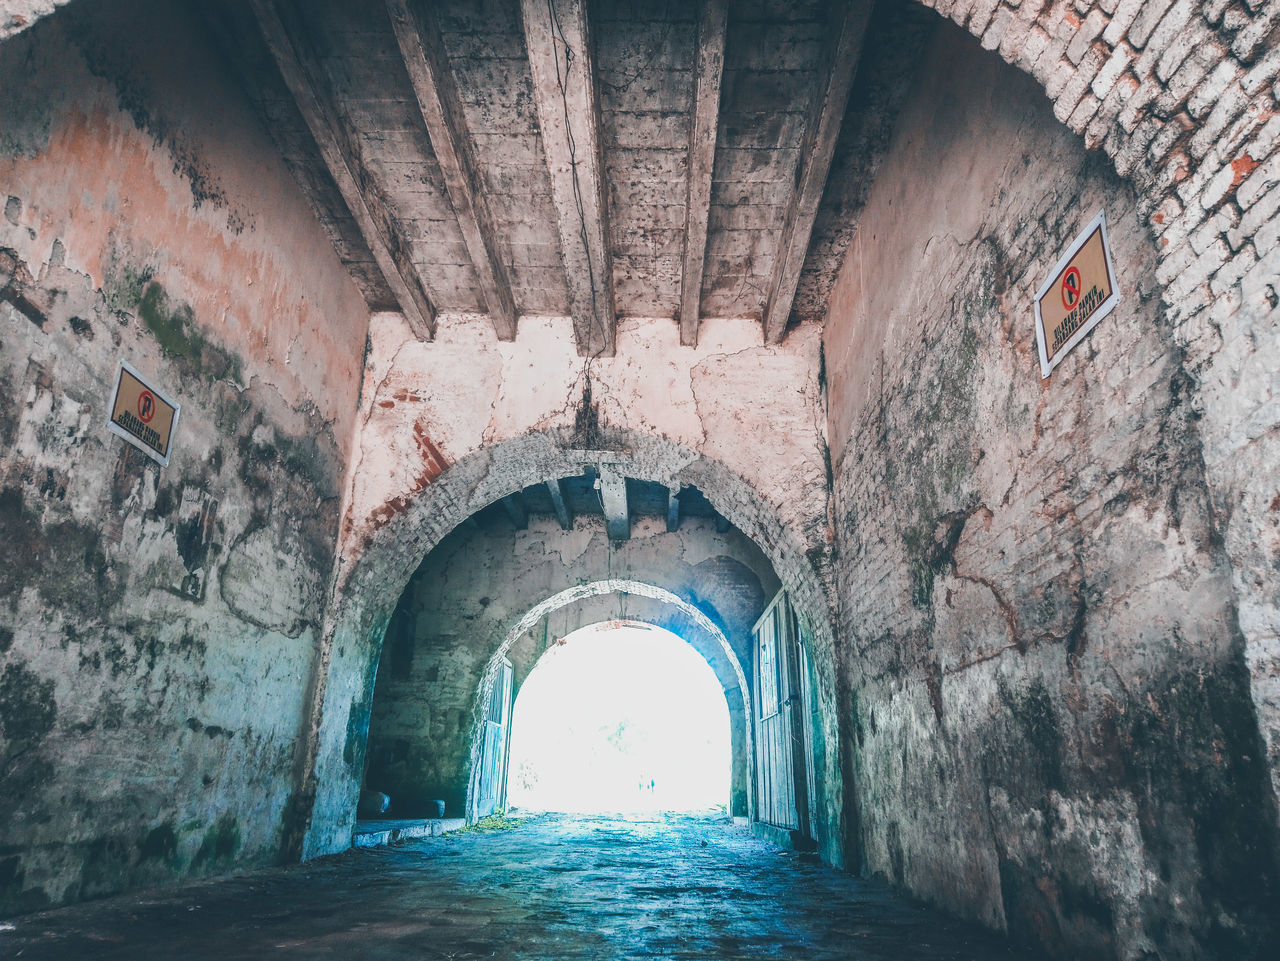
(554, 886)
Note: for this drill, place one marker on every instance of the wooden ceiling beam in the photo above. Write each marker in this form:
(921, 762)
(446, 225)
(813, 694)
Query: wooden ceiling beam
(673, 509)
(557, 38)
(304, 75)
(436, 91)
(815, 165)
(712, 25)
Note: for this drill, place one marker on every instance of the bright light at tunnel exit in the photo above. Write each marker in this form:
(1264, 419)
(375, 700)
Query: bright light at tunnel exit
(620, 718)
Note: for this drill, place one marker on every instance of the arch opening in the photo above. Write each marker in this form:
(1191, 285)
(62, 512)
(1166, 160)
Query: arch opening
(368, 591)
(620, 716)
(618, 599)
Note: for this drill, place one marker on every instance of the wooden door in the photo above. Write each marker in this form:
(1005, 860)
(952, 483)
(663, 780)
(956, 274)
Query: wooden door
(799, 700)
(491, 787)
(784, 755)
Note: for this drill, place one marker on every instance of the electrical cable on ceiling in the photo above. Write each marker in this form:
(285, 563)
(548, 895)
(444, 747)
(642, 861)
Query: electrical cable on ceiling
(561, 77)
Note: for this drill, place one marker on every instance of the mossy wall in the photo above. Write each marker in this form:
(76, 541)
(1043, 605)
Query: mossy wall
(1048, 724)
(157, 625)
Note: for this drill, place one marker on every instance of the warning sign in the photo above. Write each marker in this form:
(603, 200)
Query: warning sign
(1080, 291)
(143, 416)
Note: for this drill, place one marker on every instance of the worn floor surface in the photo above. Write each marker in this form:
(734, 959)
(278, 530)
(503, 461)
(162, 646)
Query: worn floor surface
(552, 887)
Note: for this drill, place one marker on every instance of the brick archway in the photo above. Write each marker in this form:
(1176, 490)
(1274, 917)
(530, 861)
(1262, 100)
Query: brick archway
(368, 587)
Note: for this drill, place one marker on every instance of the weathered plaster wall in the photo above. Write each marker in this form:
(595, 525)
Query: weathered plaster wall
(474, 588)
(157, 626)
(1044, 673)
(18, 15)
(1183, 96)
(753, 408)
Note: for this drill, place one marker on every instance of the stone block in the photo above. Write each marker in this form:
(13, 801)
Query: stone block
(1155, 29)
(1111, 71)
(1258, 181)
(1250, 40)
(1211, 89)
(1122, 18)
(1084, 36)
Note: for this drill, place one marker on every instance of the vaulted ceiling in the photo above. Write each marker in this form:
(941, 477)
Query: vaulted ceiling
(588, 159)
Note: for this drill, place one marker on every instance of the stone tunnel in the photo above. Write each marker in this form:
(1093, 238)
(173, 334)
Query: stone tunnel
(906, 358)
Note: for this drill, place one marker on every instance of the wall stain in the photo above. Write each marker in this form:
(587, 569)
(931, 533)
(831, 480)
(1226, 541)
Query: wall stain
(28, 710)
(174, 327)
(219, 845)
(434, 463)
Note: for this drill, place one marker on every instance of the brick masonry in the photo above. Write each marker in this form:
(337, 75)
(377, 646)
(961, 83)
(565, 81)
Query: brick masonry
(1051, 725)
(1182, 97)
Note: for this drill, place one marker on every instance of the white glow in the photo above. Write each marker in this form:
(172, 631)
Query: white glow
(626, 718)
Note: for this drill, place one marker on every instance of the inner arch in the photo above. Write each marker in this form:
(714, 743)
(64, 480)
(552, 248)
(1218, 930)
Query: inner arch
(378, 563)
(619, 716)
(700, 632)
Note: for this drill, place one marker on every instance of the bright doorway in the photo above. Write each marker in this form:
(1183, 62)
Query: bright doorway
(620, 717)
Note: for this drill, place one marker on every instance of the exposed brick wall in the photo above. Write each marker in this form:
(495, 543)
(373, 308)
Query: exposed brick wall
(1182, 96)
(1048, 704)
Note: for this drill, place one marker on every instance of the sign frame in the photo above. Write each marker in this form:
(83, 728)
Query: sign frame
(1048, 363)
(113, 427)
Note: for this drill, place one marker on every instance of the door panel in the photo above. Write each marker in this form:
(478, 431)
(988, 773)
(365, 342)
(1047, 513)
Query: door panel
(784, 754)
(491, 787)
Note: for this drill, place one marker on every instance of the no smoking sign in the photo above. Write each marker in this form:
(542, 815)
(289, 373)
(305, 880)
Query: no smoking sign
(1079, 292)
(142, 415)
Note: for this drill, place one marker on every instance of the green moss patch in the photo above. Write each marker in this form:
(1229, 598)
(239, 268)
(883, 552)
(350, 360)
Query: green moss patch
(175, 330)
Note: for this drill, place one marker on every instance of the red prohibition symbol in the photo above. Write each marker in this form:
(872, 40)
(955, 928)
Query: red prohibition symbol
(146, 407)
(1071, 287)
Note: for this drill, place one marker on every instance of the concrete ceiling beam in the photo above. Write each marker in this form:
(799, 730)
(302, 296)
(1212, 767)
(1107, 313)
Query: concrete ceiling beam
(558, 41)
(563, 514)
(516, 510)
(304, 75)
(815, 164)
(613, 500)
(712, 26)
(436, 91)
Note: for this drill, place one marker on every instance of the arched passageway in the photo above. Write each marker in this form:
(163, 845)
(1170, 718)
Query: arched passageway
(412, 760)
(620, 600)
(435, 520)
(352, 242)
(466, 616)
